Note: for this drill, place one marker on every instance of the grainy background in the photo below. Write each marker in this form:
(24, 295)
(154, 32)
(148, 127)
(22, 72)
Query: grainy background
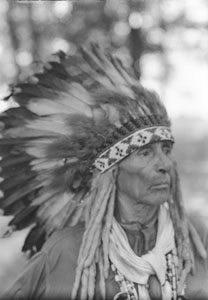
(166, 41)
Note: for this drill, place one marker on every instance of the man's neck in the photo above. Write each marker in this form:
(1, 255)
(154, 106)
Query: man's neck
(128, 211)
(135, 217)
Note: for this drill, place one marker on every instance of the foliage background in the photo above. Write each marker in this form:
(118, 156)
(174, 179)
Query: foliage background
(166, 41)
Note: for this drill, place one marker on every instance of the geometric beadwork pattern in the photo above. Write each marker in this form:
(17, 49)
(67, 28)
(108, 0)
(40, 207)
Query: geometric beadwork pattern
(131, 143)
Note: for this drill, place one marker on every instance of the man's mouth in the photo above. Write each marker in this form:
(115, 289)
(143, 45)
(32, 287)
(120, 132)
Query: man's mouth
(160, 186)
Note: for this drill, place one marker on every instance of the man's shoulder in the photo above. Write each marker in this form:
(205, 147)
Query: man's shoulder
(63, 242)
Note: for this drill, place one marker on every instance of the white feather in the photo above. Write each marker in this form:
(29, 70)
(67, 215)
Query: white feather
(50, 208)
(44, 164)
(23, 131)
(44, 107)
(53, 123)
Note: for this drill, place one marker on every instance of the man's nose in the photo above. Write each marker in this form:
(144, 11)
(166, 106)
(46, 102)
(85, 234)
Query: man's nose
(163, 163)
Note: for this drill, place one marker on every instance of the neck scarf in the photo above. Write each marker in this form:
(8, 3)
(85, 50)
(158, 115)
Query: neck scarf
(136, 268)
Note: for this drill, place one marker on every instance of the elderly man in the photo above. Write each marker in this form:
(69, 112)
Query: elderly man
(93, 152)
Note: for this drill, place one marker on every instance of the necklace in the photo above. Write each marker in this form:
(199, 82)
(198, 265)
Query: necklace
(132, 291)
(133, 273)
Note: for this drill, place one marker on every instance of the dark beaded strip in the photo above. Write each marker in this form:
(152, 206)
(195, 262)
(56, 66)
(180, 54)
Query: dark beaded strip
(160, 120)
(117, 135)
(123, 130)
(130, 126)
(136, 123)
(139, 123)
(153, 119)
(109, 141)
(147, 121)
(157, 119)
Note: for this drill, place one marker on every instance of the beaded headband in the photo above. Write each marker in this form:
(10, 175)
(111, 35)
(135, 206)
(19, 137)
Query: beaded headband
(131, 143)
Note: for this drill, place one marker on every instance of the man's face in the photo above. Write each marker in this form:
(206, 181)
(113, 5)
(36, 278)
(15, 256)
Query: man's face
(145, 176)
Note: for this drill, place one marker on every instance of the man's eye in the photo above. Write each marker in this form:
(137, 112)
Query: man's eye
(167, 150)
(144, 152)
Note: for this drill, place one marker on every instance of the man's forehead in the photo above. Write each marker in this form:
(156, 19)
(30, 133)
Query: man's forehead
(135, 160)
(152, 146)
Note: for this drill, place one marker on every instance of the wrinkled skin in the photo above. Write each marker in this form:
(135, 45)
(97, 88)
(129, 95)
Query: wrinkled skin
(145, 176)
(144, 182)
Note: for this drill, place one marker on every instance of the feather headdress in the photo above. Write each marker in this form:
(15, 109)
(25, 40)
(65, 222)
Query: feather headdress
(68, 118)
(76, 119)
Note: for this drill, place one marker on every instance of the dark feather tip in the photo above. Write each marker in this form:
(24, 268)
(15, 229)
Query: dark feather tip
(25, 217)
(35, 239)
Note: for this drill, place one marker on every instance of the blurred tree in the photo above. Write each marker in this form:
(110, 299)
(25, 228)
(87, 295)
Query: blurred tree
(132, 27)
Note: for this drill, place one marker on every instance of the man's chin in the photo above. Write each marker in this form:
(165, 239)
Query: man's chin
(159, 200)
